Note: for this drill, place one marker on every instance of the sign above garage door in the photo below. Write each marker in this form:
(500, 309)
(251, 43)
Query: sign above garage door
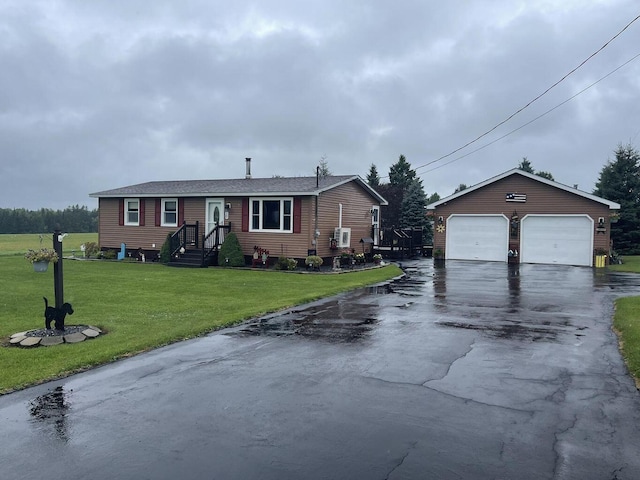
(557, 239)
(477, 237)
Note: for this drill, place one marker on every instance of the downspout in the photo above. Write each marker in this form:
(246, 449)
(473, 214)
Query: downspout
(316, 232)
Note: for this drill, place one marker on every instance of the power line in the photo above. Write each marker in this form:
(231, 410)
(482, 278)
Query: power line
(530, 121)
(532, 101)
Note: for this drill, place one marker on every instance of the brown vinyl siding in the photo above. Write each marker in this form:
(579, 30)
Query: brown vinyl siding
(356, 202)
(356, 214)
(541, 199)
(356, 207)
(111, 235)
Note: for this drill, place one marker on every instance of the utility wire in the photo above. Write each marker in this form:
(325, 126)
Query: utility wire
(532, 101)
(530, 121)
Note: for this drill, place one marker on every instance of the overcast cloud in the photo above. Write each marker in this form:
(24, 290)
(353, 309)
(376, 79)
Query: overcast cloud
(101, 94)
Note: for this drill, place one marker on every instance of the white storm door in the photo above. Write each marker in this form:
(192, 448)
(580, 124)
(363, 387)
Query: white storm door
(375, 223)
(477, 237)
(557, 239)
(215, 217)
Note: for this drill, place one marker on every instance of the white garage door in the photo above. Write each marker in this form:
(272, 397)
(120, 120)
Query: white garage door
(477, 237)
(557, 239)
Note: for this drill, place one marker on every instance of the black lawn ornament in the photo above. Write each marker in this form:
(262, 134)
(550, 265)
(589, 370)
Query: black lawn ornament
(56, 315)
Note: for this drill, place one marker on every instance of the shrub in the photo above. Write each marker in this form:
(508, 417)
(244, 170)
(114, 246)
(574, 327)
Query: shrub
(313, 261)
(293, 264)
(230, 252)
(91, 249)
(165, 251)
(285, 263)
(109, 254)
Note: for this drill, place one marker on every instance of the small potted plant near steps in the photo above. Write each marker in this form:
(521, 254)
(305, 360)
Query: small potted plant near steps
(41, 258)
(377, 258)
(438, 257)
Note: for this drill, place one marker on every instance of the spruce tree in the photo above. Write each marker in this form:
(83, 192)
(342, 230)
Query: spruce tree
(619, 181)
(373, 179)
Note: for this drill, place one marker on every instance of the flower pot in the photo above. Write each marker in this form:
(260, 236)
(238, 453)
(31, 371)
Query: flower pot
(40, 266)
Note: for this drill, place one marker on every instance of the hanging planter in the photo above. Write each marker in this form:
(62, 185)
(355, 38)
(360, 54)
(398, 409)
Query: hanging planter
(41, 258)
(40, 266)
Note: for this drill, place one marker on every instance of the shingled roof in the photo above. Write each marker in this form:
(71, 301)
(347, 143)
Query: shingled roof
(281, 186)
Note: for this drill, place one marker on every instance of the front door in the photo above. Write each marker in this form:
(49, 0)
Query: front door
(215, 217)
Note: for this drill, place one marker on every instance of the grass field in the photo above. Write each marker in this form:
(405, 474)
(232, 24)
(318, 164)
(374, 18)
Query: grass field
(631, 264)
(18, 244)
(140, 306)
(627, 324)
(627, 321)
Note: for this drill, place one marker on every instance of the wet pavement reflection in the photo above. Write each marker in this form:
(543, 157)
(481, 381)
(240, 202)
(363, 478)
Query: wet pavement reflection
(49, 411)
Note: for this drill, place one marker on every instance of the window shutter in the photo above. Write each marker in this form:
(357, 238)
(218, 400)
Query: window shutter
(158, 211)
(121, 211)
(180, 211)
(245, 214)
(297, 215)
(141, 203)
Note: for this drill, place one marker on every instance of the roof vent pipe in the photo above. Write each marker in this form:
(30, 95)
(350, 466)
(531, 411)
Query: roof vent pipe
(248, 167)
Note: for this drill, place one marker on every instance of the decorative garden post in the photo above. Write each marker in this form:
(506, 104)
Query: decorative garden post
(57, 268)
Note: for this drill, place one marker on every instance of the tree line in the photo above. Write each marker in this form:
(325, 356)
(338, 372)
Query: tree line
(77, 219)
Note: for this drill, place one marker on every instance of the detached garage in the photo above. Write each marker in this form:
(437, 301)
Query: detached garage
(519, 217)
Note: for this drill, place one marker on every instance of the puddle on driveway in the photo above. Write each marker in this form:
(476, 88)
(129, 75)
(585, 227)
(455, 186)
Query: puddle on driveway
(346, 319)
(510, 330)
(335, 322)
(50, 410)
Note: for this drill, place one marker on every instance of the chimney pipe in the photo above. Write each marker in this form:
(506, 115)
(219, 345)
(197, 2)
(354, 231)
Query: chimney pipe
(248, 169)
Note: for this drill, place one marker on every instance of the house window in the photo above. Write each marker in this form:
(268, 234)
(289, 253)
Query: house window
(271, 214)
(169, 212)
(131, 211)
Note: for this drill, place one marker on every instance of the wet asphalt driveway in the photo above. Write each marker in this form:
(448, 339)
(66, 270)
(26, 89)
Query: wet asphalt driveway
(474, 371)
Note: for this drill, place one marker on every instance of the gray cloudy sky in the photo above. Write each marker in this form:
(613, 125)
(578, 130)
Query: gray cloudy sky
(100, 94)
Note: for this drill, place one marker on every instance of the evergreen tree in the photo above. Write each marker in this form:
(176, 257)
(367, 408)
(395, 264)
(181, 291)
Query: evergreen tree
(619, 181)
(525, 165)
(401, 174)
(323, 167)
(373, 179)
(461, 187)
(546, 175)
(413, 212)
(434, 197)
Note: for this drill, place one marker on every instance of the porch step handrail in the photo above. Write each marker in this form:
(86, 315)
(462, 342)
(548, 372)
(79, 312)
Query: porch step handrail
(212, 241)
(185, 237)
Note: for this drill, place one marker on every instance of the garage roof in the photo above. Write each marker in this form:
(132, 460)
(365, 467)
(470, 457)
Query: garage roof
(517, 171)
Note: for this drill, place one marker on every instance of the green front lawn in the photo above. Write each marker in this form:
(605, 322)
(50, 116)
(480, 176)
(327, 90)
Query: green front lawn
(142, 306)
(626, 320)
(631, 264)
